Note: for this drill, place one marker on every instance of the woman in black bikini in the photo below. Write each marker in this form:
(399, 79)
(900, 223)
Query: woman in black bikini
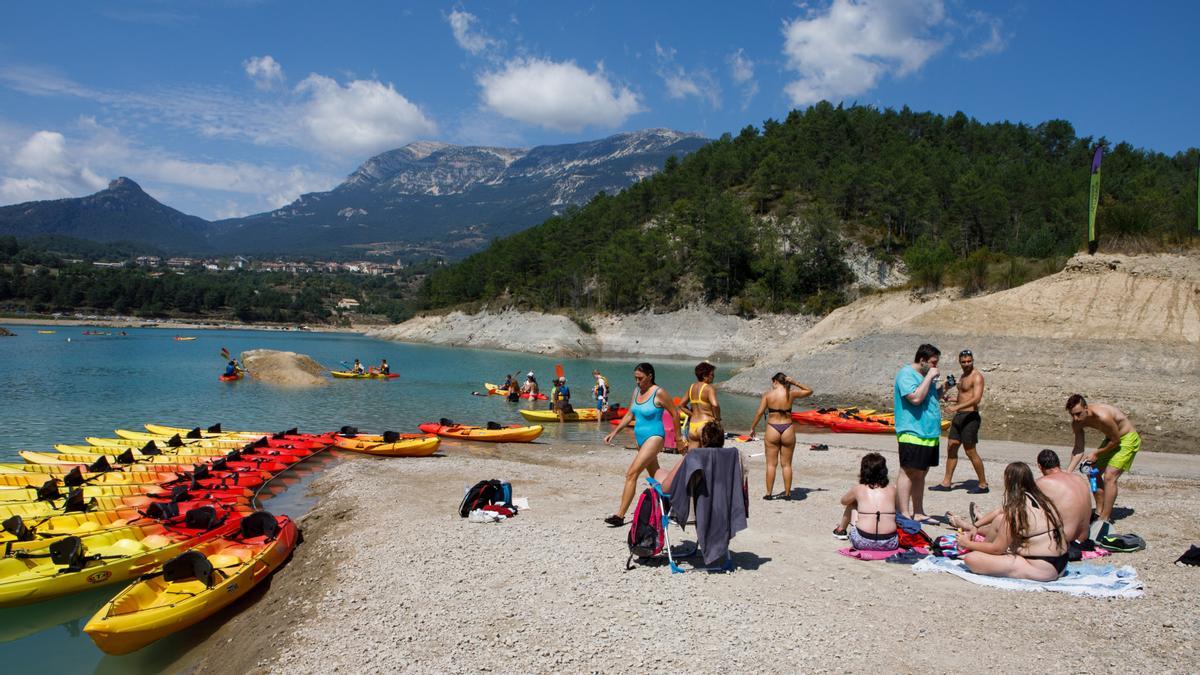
(1029, 541)
(780, 437)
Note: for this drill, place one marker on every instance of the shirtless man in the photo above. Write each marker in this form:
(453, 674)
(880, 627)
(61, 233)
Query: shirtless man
(964, 429)
(1115, 456)
(1068, 491)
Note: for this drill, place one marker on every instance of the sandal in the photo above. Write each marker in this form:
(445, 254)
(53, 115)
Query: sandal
(940, 488)
(615, 521)
(971, 511)
(769, 497)
(839, 533)
(957, 522)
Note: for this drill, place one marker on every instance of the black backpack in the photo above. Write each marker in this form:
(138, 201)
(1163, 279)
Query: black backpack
(480, 495)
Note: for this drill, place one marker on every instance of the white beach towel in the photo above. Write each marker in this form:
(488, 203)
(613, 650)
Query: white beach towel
(1099, 581)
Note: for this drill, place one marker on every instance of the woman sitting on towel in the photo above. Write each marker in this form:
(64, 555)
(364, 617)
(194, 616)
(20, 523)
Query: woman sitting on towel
(875, 501)
(1029, 541)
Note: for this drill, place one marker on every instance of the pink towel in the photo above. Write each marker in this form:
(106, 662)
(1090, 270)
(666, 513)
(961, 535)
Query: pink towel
(669, 426)
(1098, 553)
(867, 555)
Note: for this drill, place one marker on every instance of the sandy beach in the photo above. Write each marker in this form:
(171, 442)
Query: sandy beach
(391, 579)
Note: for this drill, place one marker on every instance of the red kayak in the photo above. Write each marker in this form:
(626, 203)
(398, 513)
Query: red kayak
(853, 426)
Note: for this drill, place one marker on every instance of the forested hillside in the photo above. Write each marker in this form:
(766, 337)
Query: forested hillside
(761, 220)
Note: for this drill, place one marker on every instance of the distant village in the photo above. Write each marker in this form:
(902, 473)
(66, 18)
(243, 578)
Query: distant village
(228, 264)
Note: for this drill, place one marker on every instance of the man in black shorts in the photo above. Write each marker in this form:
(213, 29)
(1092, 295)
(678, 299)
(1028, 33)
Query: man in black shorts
(964, 428)
(917, 400)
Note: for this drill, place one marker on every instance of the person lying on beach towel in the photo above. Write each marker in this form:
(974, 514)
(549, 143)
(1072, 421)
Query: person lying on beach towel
(1029, 542)
(874, 501)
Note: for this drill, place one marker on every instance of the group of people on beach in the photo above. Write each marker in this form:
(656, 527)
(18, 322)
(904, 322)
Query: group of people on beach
(1029, 536)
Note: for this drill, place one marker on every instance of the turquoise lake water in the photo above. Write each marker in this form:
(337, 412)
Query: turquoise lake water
(57, 390)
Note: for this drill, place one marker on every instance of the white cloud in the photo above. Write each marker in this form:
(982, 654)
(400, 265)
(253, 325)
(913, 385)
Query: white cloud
(364, 116)
(741, 69)
(470, 40)
(994, 41)
(847, 49)
(318, 115)
(50, 165)
(265, 71)
(560, 96)
(682, 83)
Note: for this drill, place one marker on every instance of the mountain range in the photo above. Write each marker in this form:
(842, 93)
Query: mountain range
(430, 197)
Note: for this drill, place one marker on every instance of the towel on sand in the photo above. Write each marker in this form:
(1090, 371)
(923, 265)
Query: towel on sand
(867, 555)
(893, 555)
(1099, 581)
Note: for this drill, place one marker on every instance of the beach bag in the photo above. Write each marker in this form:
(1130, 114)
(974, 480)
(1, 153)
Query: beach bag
(646, 533)
(913, 539)
(480, 495)
(1122, 543)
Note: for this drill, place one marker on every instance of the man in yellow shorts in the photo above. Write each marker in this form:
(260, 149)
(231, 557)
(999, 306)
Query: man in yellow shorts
(1115, 456)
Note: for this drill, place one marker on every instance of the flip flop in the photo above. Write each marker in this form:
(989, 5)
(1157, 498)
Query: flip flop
(614, 520)
(971, 510)
(956, 522)
(940, 488)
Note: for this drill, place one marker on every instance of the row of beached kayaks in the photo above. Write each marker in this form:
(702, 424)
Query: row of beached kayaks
(852, 420)
(166, 511)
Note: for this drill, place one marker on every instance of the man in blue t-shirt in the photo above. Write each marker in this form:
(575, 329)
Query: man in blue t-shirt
(918, 427)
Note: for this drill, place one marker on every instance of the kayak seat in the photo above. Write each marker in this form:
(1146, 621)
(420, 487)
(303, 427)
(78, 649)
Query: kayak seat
(189, 565)
(260, 524)
(446, 422)
(494, 426)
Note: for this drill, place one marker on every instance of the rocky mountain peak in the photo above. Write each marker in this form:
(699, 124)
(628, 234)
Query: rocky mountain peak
(121, 183)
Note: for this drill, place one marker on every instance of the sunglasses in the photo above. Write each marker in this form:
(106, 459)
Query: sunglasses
(965, 352)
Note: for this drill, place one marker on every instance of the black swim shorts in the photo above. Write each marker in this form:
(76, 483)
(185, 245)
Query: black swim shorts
(965, 428)
(921, 457)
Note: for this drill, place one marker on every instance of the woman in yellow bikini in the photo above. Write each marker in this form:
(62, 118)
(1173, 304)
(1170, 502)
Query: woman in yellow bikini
(780, 437)
(701, 404)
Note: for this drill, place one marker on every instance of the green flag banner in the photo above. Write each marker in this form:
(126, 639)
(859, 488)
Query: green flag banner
(1094, 200)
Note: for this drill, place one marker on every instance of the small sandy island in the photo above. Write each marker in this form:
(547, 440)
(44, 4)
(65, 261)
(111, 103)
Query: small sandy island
(390, 579)
(288, 369)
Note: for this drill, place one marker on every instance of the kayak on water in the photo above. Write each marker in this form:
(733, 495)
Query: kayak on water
(194, 585)
(232, 378)
(50, 568)
(180, 338)
(78, 524)
(513, 433)
(493, 390)
(580, 415)
(347, 375)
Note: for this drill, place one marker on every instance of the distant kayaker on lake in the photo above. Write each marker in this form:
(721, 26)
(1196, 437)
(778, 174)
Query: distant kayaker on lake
(358, 368)
(649, 402)
(232, 368)
(560, 399)
(384, 368)
(531, 386)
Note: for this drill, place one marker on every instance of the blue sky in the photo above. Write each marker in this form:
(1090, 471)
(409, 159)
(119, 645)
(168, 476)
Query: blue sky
(232, 107)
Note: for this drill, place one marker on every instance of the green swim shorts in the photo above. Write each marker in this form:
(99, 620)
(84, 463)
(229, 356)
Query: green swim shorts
(1122, 456)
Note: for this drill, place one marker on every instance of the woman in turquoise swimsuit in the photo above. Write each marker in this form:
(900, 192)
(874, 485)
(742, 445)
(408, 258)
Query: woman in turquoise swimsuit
(649, 402)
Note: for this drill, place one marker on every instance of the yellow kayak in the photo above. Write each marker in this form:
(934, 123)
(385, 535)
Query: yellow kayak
(23, 495)
(465, 432)
(96, 505)
(544, 416)
(173, 598)
(409, 445)
(347, 375)
(22, 480)
(79, 524)
(49, 568)
(137, 439)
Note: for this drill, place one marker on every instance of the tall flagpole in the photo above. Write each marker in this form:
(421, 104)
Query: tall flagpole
(1094, 200)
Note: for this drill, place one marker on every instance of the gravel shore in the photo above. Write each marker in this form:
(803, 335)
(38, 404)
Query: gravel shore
(391, 579)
